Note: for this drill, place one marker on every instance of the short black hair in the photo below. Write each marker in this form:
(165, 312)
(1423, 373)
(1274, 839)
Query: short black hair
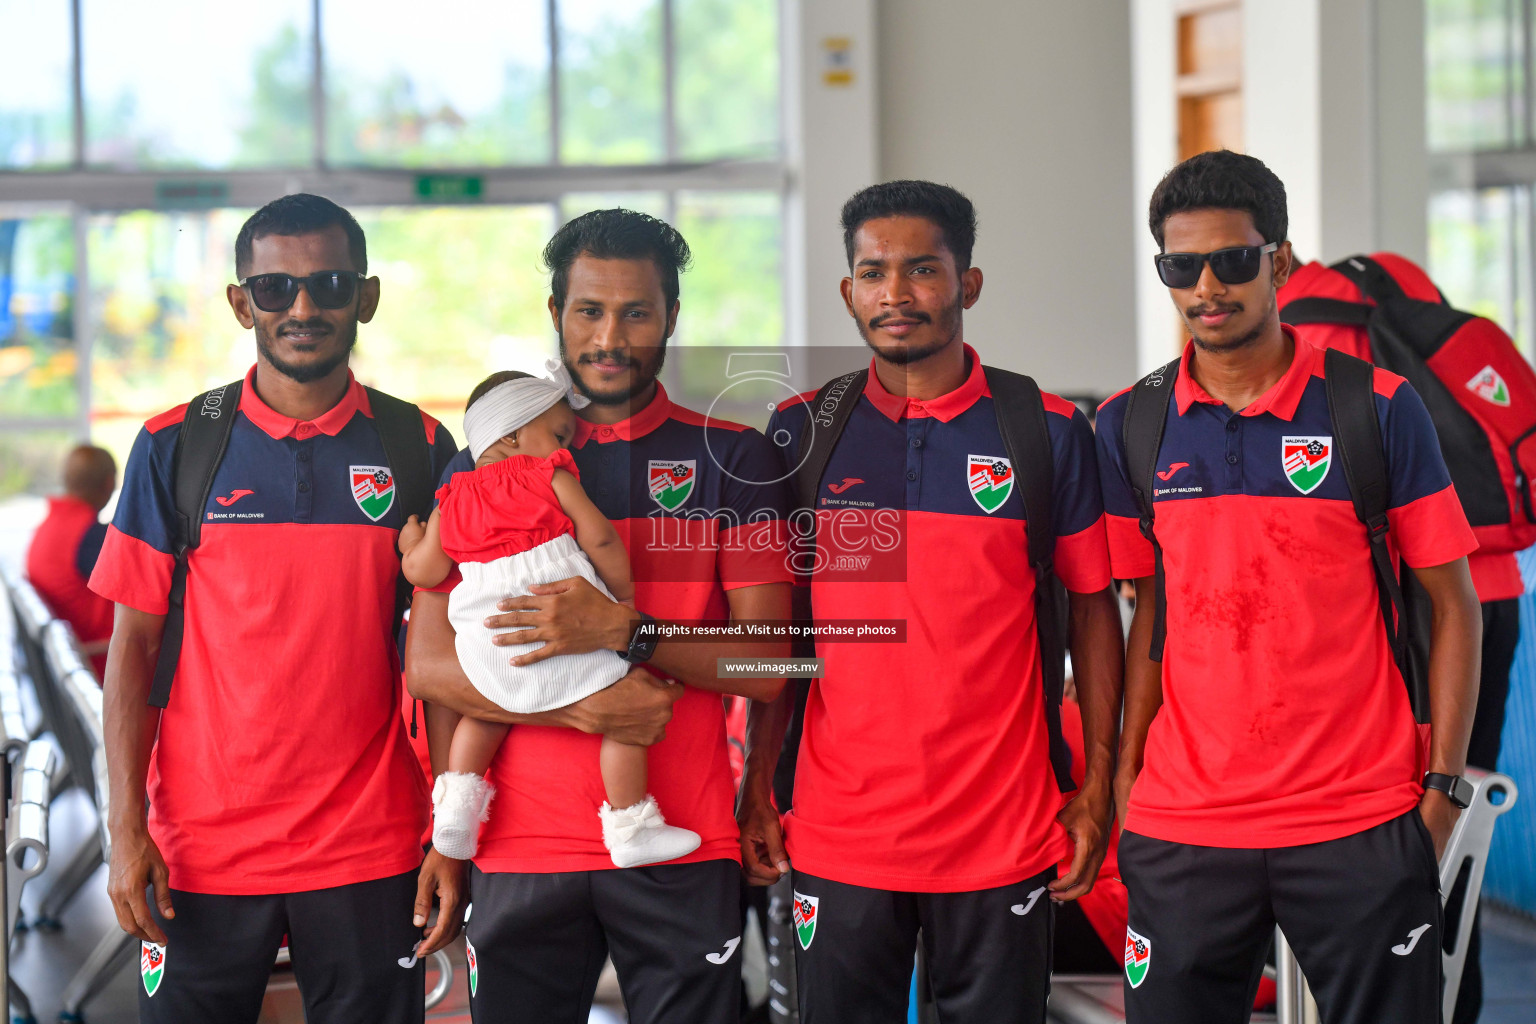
(617, 234)
(944, 206)
(499, 377)
(299, 214)
(1221, 180)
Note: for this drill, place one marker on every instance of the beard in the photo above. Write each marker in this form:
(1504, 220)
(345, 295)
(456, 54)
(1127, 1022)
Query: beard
(645, 376)
(306, 372)
(1237, 344)
(946, 328)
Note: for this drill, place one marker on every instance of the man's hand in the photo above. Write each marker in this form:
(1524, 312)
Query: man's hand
(1087, 821)
(763, 860)
(1439, 816)
(444, 878)
(634, 710)
(568, 616)
(411, 534)
(137, 864)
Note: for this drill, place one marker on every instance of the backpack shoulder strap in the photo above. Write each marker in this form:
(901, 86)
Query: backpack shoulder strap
(1350, 385)
(1020, 411)
(404, 438)
(200, 447)
(1371, 278)
(1146, 414)
(1316, 310)
(829, 412)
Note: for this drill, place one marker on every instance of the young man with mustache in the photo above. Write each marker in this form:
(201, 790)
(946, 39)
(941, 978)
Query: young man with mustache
(702, 517)
(283, 794)
(925, 796)
(1270, 768)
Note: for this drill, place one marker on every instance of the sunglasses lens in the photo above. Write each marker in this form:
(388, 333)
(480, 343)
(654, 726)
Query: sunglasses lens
(331, 290)
(1236, 266)
(272, 293)
(1179, 269)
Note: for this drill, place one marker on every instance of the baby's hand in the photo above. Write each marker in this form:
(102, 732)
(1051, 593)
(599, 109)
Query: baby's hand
(411, 534)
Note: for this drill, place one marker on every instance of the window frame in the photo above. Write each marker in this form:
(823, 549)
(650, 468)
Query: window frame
(85, 192)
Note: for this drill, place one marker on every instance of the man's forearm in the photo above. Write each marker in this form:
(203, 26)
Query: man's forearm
(696, 664)
(1455, 657)
(1143, 683)
(128, 721)
(1098, 665)
(433, 672)
(767, 722)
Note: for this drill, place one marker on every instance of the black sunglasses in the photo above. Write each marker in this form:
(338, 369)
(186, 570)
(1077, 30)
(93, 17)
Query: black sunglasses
(328, 289)
(1237, 265)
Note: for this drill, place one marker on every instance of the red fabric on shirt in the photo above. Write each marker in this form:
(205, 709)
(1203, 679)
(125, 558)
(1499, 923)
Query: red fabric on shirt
(503, 509)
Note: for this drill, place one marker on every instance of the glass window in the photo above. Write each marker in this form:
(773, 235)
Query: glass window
(1475, 74)
(31, 462)
(727, 79)
(611, 89)
(186, 83)
(734, 293)
(461, 295)
(474, 97)
(578, 203)
(37, 330)
(36, 105)
(1480, 255)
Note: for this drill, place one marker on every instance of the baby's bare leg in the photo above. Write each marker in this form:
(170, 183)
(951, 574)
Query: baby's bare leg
(624, 772)
(474, 745)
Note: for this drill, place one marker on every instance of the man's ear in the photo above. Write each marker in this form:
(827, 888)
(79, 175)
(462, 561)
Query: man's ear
(240, 302)
(847, 290)
(970, 286)
(368, 304)
(1285, 264)
(554, 313)
(677, 304)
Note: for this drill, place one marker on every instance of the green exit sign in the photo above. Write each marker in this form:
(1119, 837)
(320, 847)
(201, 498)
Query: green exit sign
(448, 187)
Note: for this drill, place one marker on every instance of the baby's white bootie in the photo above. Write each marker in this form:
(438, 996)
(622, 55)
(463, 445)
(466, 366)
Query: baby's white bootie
(639, 835)
(460, 802)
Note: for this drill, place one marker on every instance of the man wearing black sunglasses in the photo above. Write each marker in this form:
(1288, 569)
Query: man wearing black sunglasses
(283, 795)
(1270, 768)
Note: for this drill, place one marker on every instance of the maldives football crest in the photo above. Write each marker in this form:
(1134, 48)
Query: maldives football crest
(151, 966)
(1489, 386)
(671, 481)
(1138, 957)
(804, 913)
(373, 487)
(991, 479)
(1306, 461)
(474, 966)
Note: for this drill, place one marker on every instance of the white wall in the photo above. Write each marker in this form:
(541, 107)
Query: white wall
(1333, 103)
(1026, 108)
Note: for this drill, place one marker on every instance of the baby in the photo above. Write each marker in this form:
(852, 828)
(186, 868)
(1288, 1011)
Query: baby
(519, 519)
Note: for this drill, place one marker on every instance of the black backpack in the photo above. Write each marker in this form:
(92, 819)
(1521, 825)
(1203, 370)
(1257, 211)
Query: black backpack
(1027, 441)
(205, 431)
(1349, 381)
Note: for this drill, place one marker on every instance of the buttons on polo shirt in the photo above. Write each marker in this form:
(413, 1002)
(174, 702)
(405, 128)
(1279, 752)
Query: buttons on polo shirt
(1233, 423)
(606, 431)
(1231, 458)
(917, 442)
(305, 431)
(303, 454)
(303, 486)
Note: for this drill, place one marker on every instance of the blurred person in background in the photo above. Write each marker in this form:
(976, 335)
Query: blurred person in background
(65, 547)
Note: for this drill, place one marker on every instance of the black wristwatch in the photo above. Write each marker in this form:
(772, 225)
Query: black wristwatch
(1454, 786)
(642, 642)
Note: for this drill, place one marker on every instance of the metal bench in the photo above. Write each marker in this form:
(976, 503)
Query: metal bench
(30, 780)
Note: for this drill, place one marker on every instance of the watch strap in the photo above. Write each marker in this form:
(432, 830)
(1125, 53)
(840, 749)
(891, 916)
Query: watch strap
(1458, 789)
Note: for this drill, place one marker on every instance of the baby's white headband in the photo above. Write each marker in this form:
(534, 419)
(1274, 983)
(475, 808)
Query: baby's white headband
(515, 403)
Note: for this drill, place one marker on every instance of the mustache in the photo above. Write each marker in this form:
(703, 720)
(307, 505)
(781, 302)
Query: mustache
(613, 359)
(885, 318)
(317, 325)
(1208, 309)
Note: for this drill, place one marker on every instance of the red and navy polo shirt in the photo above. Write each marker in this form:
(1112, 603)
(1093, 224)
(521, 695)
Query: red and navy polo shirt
(924, 765)
(700, 505)
(282, 763)
(1494, 573)
(1284, 719)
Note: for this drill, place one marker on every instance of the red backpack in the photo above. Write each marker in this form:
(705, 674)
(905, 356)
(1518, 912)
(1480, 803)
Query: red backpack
(1479, 389)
